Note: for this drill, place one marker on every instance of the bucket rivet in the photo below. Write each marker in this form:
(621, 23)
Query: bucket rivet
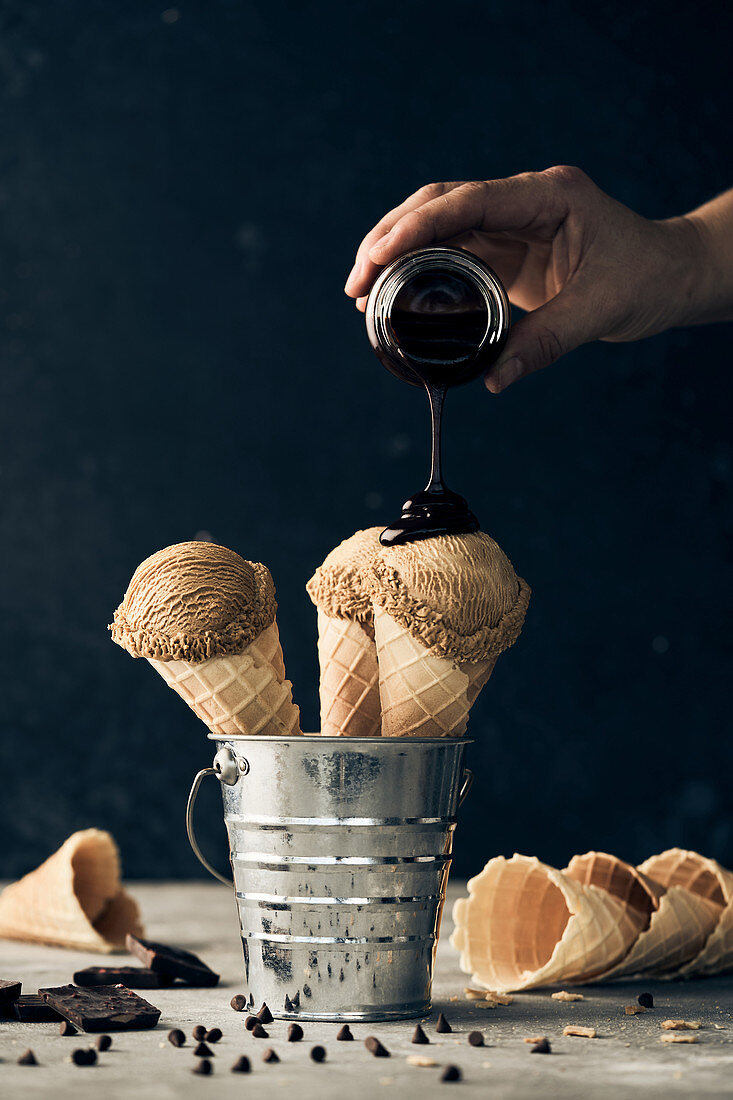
(225, 767)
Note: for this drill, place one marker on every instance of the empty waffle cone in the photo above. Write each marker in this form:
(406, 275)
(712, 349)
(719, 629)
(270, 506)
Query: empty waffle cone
(525, 924)
(708, 881)
(74, 899)
(445, 608)
(205, 619)
(347, 655)
(637, 893)
(672, 924)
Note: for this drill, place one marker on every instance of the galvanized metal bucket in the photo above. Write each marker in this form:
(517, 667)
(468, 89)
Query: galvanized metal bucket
(340, 849)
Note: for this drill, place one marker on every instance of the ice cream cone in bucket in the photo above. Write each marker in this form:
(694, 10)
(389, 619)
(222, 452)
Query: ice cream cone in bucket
(347, 655)
(525, 924)
(205, 620)
(444, 610)
(74, 899)
(708, 882)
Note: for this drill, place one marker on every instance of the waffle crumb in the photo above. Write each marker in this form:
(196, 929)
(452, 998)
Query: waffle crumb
(499, 998)
(681, 1025)
(475, 994)
(634, 1010)
(677, 1037)
(565, 996)
(420, 1060)
(535, 1038)
(582, 1032)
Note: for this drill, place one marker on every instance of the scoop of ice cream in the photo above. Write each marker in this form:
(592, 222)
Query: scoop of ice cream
(341, 587)
(456, 594)
(193, 601)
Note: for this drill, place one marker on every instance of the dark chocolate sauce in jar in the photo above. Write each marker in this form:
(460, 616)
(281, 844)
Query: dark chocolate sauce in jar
(436, 317)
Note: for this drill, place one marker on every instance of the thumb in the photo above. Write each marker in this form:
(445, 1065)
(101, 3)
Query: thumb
(540, 338)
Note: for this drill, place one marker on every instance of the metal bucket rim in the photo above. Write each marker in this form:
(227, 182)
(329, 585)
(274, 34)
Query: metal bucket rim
(323, 739)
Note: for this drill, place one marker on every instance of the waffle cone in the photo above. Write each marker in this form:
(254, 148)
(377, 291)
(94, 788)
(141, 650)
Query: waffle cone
(74, 899)
(638, 894)
(525, 924)
(707, 880)
(349, 684)
(423, 695)
(242, 693)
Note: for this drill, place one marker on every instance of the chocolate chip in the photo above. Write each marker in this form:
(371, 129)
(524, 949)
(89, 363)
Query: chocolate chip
(419, 1037)
(259, 1032)
(270, 1056)
(214, 1035)
(318, 1054)
(543, 1047)
(288, 1005)
(344, 1035)
(84, 1057)
(295, 1033)
(104, 1042)
(264, 1015)
(204, 1067)
(251, 1022)
(451, 1073)
(202, 1051)
(442, 1026)
(239, 1003)
(475, 1038)
(176, 1037)
(199, 1032)
(27, 1059)
(242, 1063)
(646, 1000)
(67, 1028)
(374, 1047)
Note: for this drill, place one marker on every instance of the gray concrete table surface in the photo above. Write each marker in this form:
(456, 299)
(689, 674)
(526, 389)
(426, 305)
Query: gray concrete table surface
(627, 1059)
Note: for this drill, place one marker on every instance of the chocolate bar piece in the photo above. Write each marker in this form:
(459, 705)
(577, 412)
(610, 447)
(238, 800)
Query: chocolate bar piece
(9, 992)
(134, 977)
(172, 960)
(31, 1008)
(105, 1008)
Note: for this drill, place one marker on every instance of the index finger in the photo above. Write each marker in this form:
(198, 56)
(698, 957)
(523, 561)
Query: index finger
(365, 270)
(528, 202)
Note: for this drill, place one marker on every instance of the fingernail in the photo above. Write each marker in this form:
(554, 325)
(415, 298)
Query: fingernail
(353, 276)
(503, 374)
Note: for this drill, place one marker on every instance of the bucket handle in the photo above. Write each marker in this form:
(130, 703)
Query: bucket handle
(465, 786)
(227, 769)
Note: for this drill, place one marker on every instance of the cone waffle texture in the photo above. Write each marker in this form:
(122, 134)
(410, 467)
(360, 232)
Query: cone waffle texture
(244, 693)
(74, 899)
(705, 879)
(349, 684)
(423, 695)
(525, 924)
(347, 655)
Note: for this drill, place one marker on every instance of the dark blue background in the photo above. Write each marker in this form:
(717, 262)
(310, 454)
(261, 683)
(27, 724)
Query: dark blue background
(181, 198)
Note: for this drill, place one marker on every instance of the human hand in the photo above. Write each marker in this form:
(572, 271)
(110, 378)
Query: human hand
(584, 266)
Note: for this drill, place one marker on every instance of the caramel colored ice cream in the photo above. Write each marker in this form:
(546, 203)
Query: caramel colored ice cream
(205, 619)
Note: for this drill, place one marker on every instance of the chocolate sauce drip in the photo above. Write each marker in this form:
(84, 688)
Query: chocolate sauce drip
(438, 324)
(435, 510)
